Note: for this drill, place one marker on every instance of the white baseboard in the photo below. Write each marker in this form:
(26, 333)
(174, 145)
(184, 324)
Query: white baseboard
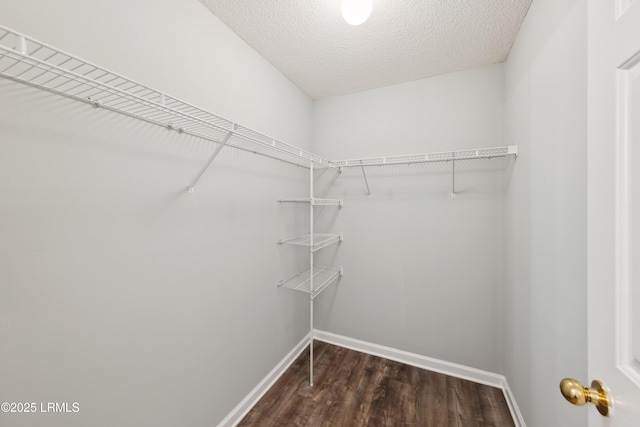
(429, 363)
(413, 359)
(243, 408)
(513, 406)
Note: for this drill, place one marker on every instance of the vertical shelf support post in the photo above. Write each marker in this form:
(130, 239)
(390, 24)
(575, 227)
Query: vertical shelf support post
(213, 156)
(311, 288)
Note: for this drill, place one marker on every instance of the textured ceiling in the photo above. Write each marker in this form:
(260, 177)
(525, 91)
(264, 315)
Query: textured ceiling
(403, 40)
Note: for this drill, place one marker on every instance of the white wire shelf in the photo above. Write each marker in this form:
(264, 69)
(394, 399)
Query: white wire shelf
(444, 156)
(322, 277)
(29, 61)
(314, 201)
(319, 240)
(33, 63)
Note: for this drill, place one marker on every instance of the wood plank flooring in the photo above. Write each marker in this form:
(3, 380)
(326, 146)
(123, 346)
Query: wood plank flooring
(354, 389)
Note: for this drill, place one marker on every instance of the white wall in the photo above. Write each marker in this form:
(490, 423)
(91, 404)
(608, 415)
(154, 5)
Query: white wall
(545, 265)
(118, 290)
(422, 272)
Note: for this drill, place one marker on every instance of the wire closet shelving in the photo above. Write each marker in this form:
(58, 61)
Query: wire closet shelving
(37, 64)
(443, 156)
(26, 60)
(314, 279)
(34, 63)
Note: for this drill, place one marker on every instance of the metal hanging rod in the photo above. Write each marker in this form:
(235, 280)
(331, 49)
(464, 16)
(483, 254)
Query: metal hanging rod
(444, 156)
(29, 61)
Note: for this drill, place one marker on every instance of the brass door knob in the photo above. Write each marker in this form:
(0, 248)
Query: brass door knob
(577, 394)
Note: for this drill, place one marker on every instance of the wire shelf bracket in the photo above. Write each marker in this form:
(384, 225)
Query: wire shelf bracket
(211, 159)
(366, 182)
(453, 177)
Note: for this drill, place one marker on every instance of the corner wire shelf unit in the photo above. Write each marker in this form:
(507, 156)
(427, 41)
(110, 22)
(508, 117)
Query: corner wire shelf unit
(444, 156)
(315, 278)
(314, 201)
(323, 276)
(314, 241)
(34, 63)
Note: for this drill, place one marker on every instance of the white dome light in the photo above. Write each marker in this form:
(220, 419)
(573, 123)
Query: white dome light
(355, 12)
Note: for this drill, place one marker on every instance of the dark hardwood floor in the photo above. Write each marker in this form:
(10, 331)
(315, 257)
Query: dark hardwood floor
(355, 389)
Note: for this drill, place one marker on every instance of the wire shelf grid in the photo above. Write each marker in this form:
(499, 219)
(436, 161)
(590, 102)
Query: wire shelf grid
(314, 241)
(444, 156)
(323, 276)
(314, 201)
(26, 60)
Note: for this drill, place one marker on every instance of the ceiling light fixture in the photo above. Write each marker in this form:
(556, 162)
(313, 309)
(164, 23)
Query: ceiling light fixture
(355, 12)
